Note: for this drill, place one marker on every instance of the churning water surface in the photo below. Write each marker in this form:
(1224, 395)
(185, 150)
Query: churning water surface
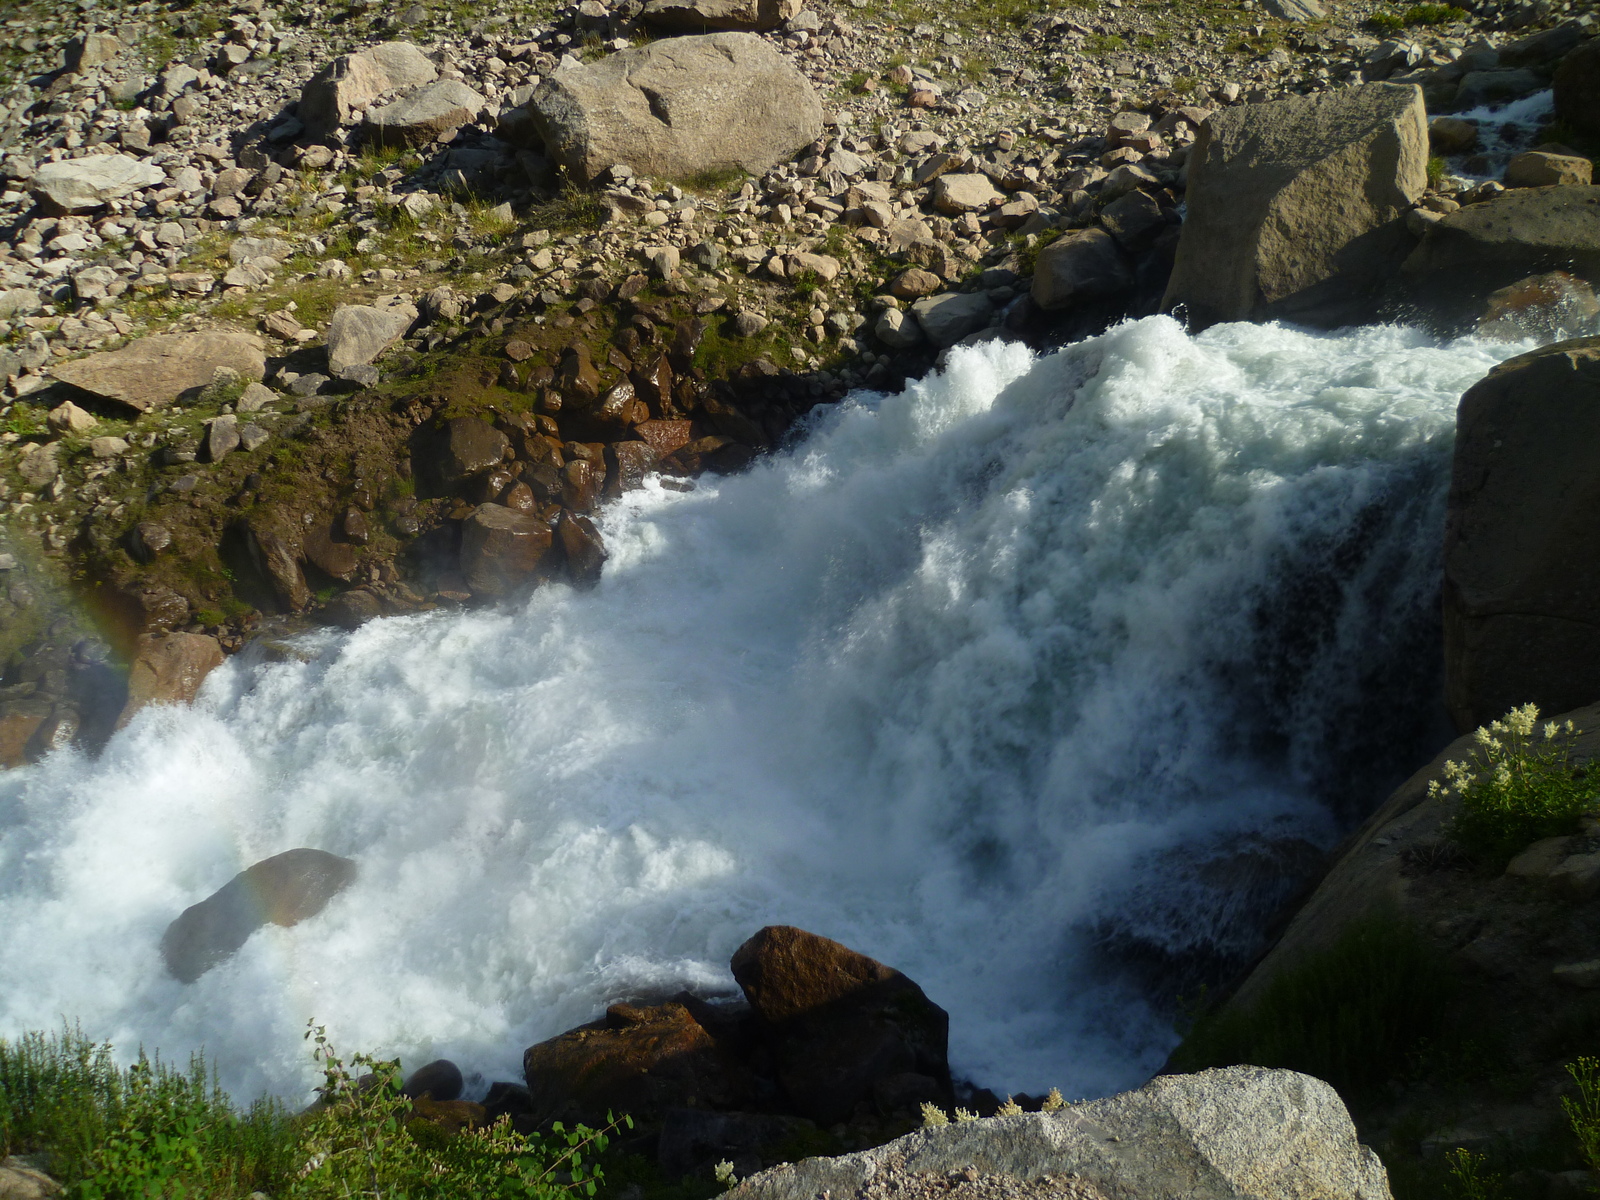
(950, 680)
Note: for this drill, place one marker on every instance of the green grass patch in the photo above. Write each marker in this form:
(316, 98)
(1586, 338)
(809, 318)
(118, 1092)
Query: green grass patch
(572, 209)
(1518, 785)
(1352, 1014)
(153, 1132)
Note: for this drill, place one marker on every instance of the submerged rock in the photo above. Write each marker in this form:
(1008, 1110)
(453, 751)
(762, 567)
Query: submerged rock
(284, 890)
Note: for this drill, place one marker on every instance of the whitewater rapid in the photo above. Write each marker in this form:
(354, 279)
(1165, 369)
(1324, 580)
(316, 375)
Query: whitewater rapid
(945, 681)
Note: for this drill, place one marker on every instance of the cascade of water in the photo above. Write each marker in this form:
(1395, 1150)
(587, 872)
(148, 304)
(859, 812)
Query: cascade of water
(950, 681)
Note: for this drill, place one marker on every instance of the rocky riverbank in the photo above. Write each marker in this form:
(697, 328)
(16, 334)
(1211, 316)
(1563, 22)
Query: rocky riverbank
(338, 313)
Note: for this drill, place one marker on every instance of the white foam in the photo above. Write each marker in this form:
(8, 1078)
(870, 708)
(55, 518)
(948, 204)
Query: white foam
(937, 683)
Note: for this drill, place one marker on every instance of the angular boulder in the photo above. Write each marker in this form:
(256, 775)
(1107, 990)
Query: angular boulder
(676, 108)
(957, 194)
(502, 548)
(282, 890)
(639, 1060)
(1480, 248)
(581, 547)
(948, 318)
(1080, 267)
(432, 113)
(1539, 168)
(839, 1024)
(1295, 208)
(463, 449)
(168, 668)
(710, 16)
(153, 371)
(1521, 584)
(83, 184)
(358, 333)
(1239, 1133)
(334, 95)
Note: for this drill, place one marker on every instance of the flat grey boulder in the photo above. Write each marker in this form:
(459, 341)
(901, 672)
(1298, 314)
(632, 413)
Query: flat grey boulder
(1483, 247)
(81, 184)
(948, 318)
(1239, 1133)
(358, 333)
(1296, 207)
(282, 890)
(1079, 267)
(676, 108)
(335, 95)
(707, 16)
(153, 371)
(432, 113)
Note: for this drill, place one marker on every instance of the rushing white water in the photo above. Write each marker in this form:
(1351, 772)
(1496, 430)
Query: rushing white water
(945, 682)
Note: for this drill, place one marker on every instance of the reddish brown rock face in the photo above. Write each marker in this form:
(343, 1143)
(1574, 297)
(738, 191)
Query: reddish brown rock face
(638, 1060)
(169, 669)
(842, 1026)
(502, 547)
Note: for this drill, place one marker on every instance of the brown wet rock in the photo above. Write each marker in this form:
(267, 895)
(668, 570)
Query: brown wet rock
(148, 539)
(582, 548)
(168, 669)
(466, 447)
(581, 484)
(838, 1022)
(665, 437)
(278, 560)
(335, 558)
(502, 548)
(627, 465)
(284, 890)
(640, 1060)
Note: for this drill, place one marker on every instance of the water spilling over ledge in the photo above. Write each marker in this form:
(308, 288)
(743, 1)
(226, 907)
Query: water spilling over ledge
(950, 681)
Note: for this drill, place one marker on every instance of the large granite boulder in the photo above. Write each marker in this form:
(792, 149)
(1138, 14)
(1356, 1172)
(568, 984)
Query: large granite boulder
(284, 890)
(335, 95)
(1240, 1133)
(1082, 266)
(842, 1027)
(1522, 585)
(169, 668)
(676, 108)
(432, 113)
(711, 16)
(1481, 248)
(358, 333)
(153, 371)
(1296, 207)
(82, 184)
(642, 1060)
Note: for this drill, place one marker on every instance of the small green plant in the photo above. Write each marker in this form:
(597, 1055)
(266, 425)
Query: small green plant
(1470, 1177)
(1433, 14)
(1350, 1014)
(1385, 22)
(1436, 170)
(1516, 787)
(574, 208)
(1584, 1113)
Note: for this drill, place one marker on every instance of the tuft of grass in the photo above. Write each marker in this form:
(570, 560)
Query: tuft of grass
(1351, 1014)
(574, 208)
(1519, 785)
(715, 180)
(1436, 170)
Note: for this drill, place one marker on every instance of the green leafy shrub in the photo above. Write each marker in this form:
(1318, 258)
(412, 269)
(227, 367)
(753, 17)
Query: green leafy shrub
(1350, 1014)
(1516, 787)
(1584, 1112)
(150, 1132)
(1470, 1177)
